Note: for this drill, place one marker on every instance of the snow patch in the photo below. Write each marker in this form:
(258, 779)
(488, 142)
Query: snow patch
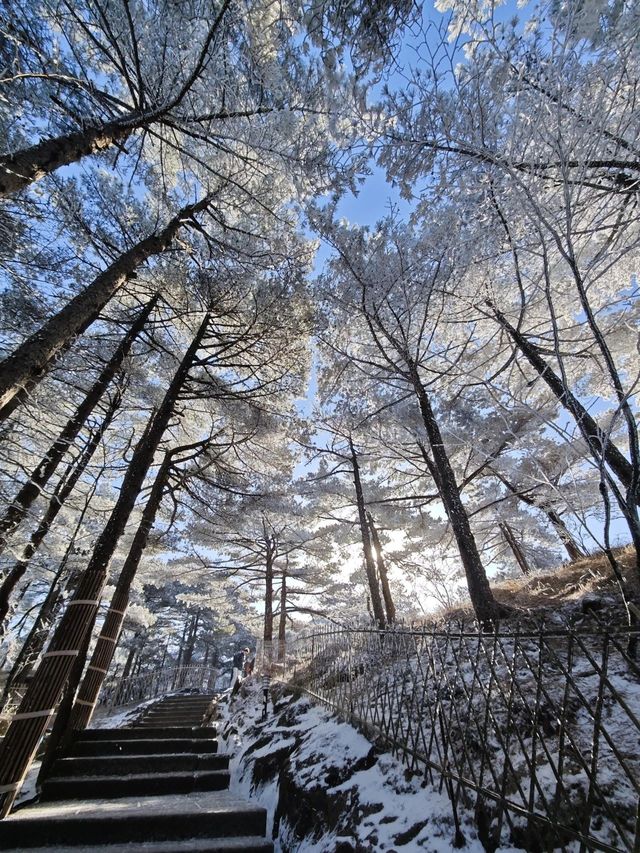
(384, 807)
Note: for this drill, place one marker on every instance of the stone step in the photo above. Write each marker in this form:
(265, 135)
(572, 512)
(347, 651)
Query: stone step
(122, 765)
(175, 721)
(187, 716)
(215, 814)
(138, 733)
(184, 700)
(142, 746)
(176, 710)
(241, 844)
(133, 785)
(187, 697)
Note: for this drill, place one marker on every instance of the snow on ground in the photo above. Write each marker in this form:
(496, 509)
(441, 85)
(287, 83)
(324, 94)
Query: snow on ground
(29, 790)
(382, 807)
(105, 719)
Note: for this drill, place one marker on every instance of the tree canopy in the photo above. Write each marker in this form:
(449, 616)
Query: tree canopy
(233, 409)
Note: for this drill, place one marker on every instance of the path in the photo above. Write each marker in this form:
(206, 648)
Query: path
(159, 787)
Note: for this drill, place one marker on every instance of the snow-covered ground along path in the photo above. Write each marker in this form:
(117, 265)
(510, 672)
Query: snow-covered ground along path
(326, 788)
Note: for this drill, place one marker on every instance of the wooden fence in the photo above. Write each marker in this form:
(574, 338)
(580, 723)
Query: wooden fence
(534, 727)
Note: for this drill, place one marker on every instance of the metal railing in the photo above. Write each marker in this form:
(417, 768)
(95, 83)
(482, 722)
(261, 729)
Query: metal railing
(148, 685)
(534, 727)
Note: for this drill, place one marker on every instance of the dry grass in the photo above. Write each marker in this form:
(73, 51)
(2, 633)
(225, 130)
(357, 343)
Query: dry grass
(574, 585)
(572, 582)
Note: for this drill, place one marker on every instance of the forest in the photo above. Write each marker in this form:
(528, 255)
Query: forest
(311, 312)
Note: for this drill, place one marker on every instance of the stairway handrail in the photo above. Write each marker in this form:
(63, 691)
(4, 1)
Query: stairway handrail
(147, 685)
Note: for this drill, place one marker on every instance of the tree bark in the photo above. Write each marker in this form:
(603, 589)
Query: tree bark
(268, 593)
(370, 569)
(126, 672)
(138, 666)
(282, 622)
(47, 615)
(570, 544)
(597, 440)
(31, 360)
(110, 632)
(35, 642)
(19, 170)
(62, 491)
(41, 475)
(191, 641)
(29, 724)
(389, 606)
(183, 641)
(57, 741)
(487, 609)
(516, 548)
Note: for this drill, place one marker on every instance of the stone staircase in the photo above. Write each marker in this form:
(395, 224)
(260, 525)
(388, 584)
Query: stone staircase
(157, 787)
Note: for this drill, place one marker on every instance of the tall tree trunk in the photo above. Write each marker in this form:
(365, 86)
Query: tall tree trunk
(164, 654)
(57, 741)
(282, 622)
(30, 361)
(183, 641)
(62, 491)
(268, 594)
(516, 548)
(369, 565)
(571, 546)
(191, 642)
(41, 475)
(486, 607)
(126, 672)
(19, 170)
(110, 632)
(35, 642)
(29, 724)
(597, 440)
(389, 606)
(139, 661)
(47, 615)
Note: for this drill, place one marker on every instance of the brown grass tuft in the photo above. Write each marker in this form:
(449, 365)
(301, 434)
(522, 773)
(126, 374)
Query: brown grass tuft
(570, 586)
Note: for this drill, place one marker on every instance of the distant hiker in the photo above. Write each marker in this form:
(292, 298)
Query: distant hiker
(239, 660)
(248, 666)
